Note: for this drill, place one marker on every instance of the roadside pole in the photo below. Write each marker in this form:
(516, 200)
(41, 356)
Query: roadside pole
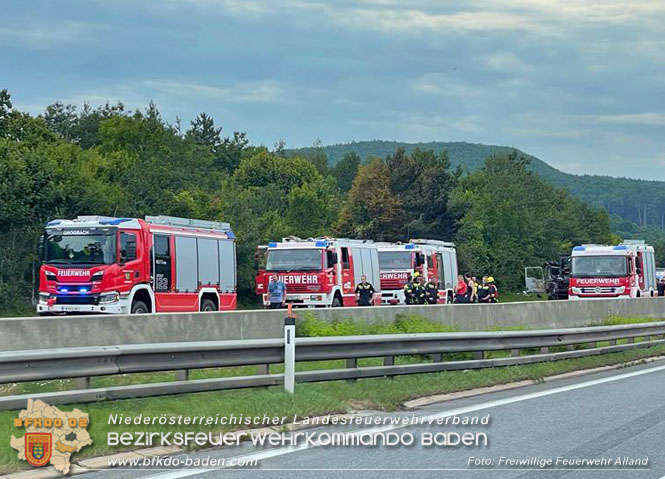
(290, 351)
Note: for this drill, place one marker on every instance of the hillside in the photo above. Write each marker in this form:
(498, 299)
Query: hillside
(638, 201)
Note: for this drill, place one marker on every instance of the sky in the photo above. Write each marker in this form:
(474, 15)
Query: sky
(578, 83)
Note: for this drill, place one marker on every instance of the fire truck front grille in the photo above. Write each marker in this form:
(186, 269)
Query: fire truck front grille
(599, 290)
(82, 299)
(392, 283)
(301, 288)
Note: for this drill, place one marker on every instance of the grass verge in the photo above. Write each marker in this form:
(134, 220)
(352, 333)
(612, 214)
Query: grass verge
(310, 399)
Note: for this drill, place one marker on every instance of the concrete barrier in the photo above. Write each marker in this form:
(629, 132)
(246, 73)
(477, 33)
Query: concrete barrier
(103, 330)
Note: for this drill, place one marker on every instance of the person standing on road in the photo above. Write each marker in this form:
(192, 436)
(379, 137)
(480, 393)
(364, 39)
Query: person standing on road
(409, 289)
(365, 292)
(276, 292)
(419, 292)
(432, 291)
(661, 287)
(494, 292)
(473, 289)
(461, 290)
(484, 292)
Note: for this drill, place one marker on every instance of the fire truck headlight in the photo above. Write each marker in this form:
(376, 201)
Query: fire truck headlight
(97, 276)
(44, 297)
(620, 290)
(50, 276)
(109, 297)
(576, 290)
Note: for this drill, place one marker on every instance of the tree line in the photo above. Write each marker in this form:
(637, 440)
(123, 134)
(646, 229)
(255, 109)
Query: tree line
(109, 160)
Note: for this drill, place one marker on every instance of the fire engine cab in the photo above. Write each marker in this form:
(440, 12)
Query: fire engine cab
(433, 259)
(318, 271)
(627, 270)
(96, 264)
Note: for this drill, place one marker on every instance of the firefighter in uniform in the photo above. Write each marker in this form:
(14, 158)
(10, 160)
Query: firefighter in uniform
(409, 289)
(419, 293)
(485, 291)
(365, 292)
(494, 292)
(432, 291)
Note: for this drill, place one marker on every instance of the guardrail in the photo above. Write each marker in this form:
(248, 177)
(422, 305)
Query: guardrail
(83, 363)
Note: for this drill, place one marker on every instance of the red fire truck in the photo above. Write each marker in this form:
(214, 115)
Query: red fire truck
(431, 258)
(318, 271)
(96, 264)
(627, 270)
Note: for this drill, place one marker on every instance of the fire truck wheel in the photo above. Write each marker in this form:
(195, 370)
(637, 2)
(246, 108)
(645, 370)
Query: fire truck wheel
(337, 302)
(139, 307)
(208, 305)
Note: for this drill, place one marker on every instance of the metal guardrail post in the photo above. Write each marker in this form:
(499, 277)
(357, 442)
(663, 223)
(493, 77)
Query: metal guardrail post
(80, 364)
(263, 369)
(82, 383)
(290, 351)
(182, 375)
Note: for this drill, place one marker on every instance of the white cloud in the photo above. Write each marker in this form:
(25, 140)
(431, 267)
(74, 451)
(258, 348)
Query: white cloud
(40, 36)
(256, 91)
(508, 62)
(441, 84)
(647, 118)
(414, 21)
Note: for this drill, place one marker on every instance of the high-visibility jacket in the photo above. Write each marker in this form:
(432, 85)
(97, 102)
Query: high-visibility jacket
(432, 292)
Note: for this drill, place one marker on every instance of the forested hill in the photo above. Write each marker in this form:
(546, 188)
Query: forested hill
(639, 201)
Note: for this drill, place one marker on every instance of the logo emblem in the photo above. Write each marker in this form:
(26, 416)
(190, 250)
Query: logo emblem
(38, 448)
(597, 290)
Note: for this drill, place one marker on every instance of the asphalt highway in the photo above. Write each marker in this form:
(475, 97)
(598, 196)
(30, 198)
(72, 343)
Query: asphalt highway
(606, 417)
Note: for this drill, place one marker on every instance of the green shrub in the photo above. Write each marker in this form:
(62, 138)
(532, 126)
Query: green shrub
(615, 320)
(311, 326)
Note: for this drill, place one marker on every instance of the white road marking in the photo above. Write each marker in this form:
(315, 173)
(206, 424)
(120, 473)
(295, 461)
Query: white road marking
(432, 417)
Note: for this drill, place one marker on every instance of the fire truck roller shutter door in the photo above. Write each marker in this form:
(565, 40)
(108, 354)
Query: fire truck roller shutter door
(208, 261)
(367, 262)
(227, 265)
(448, 269)
(356, 254)
(186, 264)
(376, 274)
(440, 269)
(367, 265)
(452, 256)
(650, 270)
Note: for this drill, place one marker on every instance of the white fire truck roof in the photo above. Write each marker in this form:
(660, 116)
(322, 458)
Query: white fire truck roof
(323, 242)
(94, 222)
(133, 223)
(397, 247)
(618, 250)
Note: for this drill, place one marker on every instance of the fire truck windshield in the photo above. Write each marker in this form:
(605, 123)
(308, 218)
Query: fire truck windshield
(79, 248)
(296, 259)
(394, 260)
(594, 266)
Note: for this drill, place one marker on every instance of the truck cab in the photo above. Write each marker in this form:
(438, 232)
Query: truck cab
(626, 270)
(317, 272)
